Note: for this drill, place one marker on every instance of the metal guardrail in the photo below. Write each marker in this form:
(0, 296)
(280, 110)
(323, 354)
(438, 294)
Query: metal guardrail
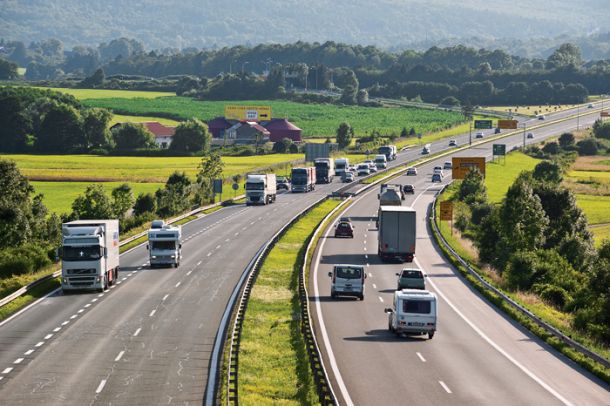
(534, 318)
(23, 290)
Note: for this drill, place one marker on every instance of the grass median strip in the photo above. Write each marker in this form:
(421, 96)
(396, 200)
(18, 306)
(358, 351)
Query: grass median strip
(273, 364)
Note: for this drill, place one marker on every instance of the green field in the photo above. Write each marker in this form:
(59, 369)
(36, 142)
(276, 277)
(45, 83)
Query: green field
(600, 234)
(597, 208)
(93, 168)
(598, 176)
(500, 175)
(58, 196)
(84, 94)
(117, 118)
(316, 120)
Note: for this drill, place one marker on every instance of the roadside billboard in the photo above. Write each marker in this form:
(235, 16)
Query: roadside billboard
(463, 165)
(447, 210)
(507, 124)
(482, 124)
(247, 113)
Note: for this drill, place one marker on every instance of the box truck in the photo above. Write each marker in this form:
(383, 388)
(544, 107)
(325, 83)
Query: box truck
(396, 233)
(390, 195)
(164, 244)
(303, 179)
(341, 165)
(260, 189)
(325, 170)
(389, 151)
(89, 254)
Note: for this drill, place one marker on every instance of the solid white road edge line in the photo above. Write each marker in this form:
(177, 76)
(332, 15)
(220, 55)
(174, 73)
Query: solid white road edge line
(496, 346)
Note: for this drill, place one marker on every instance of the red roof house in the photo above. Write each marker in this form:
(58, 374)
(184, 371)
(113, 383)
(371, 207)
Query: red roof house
(280, 128)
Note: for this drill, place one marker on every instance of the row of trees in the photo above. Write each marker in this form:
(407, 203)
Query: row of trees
(537, 240)
(51, 122)
(29, 234)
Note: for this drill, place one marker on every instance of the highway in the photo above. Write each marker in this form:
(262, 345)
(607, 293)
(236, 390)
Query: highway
(478, 355)
(149, 339)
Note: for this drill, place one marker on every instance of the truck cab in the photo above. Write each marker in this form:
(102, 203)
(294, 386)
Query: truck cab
(341, 165)
(165, 246)
(413, 312)
(325, 170)
(347, 280)
(260, 188)
(381, 161)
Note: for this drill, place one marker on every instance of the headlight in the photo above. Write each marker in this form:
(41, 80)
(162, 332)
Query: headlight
(65, 280)
(173, 256)
(154, 257)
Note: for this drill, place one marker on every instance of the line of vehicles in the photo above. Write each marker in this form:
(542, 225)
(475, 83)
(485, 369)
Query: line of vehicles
(414, 309)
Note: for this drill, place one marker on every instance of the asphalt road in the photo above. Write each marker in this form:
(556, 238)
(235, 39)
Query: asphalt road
(478, 355)
(147, 340)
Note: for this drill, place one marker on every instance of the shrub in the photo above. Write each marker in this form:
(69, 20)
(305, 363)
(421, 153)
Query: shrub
(588, 146)
(551, 148)
(21, 260)
(555, 295)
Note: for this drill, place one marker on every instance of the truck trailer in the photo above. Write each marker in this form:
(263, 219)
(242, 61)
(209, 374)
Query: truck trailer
(164, 244)
(303, 179)
(89, 254)
(325, 170)
(396, 234)
(389, 151)
(260, 188)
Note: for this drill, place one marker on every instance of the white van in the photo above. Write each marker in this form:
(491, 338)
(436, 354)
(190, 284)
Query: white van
(413, 312)
(347, 280)
(381, 161)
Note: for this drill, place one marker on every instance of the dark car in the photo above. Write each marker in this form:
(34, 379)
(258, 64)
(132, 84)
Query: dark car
(497, 131)
(282, 182)
(408, 189)
(344, 229)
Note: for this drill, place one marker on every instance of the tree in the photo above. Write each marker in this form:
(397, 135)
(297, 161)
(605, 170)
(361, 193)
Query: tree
(404, 133)
(349, 95)
(566, 54)
(122, 200)
(283, 146)
(191, 136)
(362, 97)
(8, 70)
(95, 80)
(588, 146)
(174, 198)
(60, 130)
(95, 128)
(94, 204)
(15, 205)
(467, 110)
(145, 203)
(472, 188)
(551, 148)
(345, 133)
(129, 136)
(547, 171)
(449, 101)
(15, 123)
(210, 169)
(566, 140)
(601, 129)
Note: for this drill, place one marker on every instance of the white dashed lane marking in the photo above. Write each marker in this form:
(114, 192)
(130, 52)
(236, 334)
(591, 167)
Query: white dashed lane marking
(39, 343)
(178, 284)
(28, 352)
(137, 332)
(374, 286)
(7, 370)
(18, 361)
(445, 387)
(48, 336)
(118, 357)
(165, 297)
(100, 387)
(198, 263)
(421, 357)
(152, 313)
(380, 299)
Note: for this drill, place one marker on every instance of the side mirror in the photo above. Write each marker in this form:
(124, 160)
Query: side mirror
(388, 310)
(330, 274)
(397, 274)
(365, 275)
(179, 245)
(105, 251)
(147, 247)
(425, 276)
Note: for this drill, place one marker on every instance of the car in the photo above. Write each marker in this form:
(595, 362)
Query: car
(447, 165)
(282, 182)
(530, 135)
(411, 278)
(590, 106)
(479, 135)
(408, 189)
(372, 165)
(344, 229)
(412, 171)
(453, 143)
(347, 177)
(497, 131)
(436, 177)
(363, 169)
(437, 168)
(439, 172)
(541, 117)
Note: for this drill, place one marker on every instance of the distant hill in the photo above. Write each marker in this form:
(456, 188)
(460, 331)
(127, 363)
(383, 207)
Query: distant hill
(209, 23)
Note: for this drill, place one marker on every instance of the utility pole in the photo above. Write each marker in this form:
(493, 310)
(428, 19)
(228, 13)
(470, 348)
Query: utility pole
(470, 134)
(524, 126)
(578, 117)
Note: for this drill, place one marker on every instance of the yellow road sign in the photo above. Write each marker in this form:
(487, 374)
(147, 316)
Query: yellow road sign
(507, 124)
(462, 165)
(447, 210)
(248, 113)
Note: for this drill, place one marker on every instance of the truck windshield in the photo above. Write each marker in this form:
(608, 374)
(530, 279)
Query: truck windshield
(340, 165)
(299, 178)
(81, 253)
(255, 186)
(348, 273)
(163, 245)
(384, 150)
(416, 306)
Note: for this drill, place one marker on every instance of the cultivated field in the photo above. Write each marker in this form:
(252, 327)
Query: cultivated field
(500, 174)
(84, 94)
(537, 109)
(118, 118)
(316, 120)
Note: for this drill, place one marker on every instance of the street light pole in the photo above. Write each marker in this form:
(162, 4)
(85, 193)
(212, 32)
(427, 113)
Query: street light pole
(524, 126)
(242, 66)
(578, 117)
(470, 134)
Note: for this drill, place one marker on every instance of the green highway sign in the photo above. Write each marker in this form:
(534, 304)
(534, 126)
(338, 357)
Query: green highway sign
(499, 149)
(482, 124)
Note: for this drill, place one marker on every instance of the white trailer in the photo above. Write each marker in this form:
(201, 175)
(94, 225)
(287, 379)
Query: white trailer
(89, 254)
(260, 188)
(397, 233)
(164, 245)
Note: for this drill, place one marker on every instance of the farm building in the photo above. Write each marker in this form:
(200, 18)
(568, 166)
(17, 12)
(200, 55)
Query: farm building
(163, 134)
(218, 126)
(247, 132)
(280, 128)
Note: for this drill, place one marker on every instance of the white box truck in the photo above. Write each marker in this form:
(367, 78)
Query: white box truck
(260, 188)
(89, 254)
(413, 311)
(389, 151)
(164, 244)
(325, 170)
(381, 162)
(341, 165)
(396, 234)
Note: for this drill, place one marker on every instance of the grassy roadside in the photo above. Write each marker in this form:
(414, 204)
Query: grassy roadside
(548, 314)
(273, 363)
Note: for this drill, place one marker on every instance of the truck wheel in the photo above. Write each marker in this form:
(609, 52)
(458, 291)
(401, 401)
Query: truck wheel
(361, 297)
(390, 328)
(430, 335)
(333, 295)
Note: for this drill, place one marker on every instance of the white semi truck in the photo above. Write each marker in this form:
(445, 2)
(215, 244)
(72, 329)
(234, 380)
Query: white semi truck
(390, 195)
(89, 254)
(325, 170)
(260, 189)
(164, 244)
(341, 165)
(397, 233)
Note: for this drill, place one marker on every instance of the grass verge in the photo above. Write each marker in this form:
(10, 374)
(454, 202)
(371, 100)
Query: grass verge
(24, 300)
(546, 313)
(273, 362)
